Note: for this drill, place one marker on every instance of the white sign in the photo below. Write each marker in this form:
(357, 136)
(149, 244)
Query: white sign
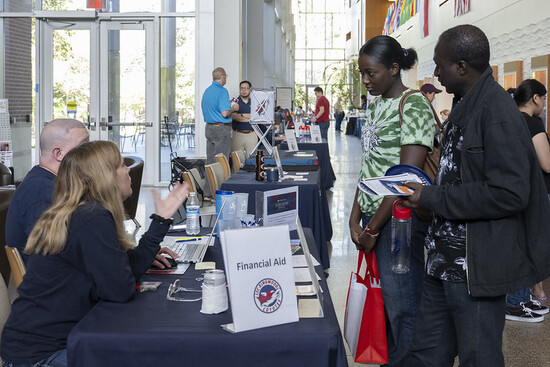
(316, 134)
(258, 267)
(281, 207)
(262, 106)
(291, 140)
(297, 124)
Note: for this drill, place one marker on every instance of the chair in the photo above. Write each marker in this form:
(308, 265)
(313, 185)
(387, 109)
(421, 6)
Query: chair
(222, 159)
(238, 159)
(136, 172)
(6, 176)
(16, 264)
(216, 176)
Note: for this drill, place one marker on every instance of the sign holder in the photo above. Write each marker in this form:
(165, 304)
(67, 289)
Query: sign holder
(262, 112)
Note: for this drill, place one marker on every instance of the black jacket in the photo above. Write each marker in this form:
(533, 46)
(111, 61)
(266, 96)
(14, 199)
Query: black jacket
(502, 197)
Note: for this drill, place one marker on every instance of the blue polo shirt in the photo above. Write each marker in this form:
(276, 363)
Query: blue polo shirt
(215, 99)
(243, 108)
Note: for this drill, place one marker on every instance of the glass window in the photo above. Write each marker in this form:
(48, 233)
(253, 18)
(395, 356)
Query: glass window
(123, 6)
(177, 85)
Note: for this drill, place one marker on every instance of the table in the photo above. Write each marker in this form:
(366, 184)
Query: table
(323, 156)
(152, 331)
(312, 203)
(357, 131)
(306, 161)
(350, 126)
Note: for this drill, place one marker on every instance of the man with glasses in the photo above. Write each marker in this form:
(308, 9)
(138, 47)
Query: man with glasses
(244, 138)
(216, 110)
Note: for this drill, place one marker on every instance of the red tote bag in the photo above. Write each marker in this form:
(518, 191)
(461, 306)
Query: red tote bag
(365, 331)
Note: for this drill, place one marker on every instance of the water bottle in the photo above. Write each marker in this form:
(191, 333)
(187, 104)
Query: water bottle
(400, 238)
(192, 211)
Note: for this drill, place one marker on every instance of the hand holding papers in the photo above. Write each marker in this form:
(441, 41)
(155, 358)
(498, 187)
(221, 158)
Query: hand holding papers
(393, 183)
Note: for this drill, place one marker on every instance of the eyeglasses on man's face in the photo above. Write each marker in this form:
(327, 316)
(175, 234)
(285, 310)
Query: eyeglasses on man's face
(245, 88)
(175, 288)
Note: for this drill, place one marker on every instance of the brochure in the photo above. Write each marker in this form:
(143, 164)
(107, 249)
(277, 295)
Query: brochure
(393, 185)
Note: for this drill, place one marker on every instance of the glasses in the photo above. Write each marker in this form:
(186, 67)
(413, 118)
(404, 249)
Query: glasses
(245, 87)
(175, 288)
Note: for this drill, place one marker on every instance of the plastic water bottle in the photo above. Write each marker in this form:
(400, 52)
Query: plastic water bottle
(400, 238)
(192, 211)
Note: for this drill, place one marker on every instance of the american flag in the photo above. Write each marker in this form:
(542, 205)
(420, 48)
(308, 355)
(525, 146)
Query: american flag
(461, 7)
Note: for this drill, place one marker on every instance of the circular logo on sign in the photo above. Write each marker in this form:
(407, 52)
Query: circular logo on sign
(268, 295)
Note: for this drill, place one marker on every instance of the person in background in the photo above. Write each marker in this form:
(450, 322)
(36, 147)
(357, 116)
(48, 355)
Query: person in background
(364, 102)
(444, 114)
(321, 116)
(530, 96)
(338, 115)
(80, 254)
(299, 111)
(386, 143)
(217, 110)
(34, 195)
(489, 233)
(429, 91)
(244, 138)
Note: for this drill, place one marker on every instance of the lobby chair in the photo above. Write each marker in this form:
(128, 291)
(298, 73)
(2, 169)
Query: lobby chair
(16, 264)
(6, 177)
(237, 158)
(216, 176)
(222, 159)
(136, 173)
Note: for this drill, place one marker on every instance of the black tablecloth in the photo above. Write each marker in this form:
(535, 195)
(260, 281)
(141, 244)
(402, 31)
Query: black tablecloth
(350, 127)
(153, 331)
(312, 203)
(289, 160)
(323, 155)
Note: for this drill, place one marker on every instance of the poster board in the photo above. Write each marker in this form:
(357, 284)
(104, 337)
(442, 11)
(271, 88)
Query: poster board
(284, 97)
(262, 106)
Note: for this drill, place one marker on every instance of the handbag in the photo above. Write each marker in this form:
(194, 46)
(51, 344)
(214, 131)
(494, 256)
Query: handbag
(431, 164)
(364, 322)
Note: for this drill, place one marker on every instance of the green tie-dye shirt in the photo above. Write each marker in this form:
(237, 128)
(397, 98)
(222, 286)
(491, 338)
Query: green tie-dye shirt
(382, 137)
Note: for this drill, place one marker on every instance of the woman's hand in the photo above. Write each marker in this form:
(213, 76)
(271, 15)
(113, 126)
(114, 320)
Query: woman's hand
(160, 260)
(366, 242)
(167, 207)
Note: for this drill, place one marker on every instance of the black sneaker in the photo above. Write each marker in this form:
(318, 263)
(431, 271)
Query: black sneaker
(536, 306)
(524, 315)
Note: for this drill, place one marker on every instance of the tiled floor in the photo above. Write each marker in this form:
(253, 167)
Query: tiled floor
(524, 344)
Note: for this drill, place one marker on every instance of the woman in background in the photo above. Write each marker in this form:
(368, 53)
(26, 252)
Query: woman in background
(80, 254)
(530, 96)
(386, 143)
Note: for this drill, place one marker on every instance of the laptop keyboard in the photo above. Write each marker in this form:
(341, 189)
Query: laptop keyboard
(189, 252)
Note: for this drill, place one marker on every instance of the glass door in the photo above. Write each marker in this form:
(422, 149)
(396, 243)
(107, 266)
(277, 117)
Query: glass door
(102, 72)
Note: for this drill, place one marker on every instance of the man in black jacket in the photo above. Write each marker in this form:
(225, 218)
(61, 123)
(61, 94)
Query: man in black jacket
(488, 235)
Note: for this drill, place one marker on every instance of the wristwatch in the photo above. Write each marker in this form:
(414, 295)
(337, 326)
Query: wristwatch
(369, 232)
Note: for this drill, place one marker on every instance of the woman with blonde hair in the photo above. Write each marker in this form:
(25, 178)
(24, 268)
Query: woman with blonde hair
(80, 254)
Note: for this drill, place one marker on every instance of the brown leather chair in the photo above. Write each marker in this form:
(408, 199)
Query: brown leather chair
(6, 176)
(136, 173)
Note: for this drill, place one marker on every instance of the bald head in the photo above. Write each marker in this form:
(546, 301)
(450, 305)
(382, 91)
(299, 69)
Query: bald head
(58, 137)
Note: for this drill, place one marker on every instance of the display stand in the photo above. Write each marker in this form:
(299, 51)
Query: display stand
(262, 110)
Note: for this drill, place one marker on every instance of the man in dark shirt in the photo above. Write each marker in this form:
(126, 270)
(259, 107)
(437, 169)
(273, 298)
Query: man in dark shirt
(488, 235)
(244, 138)
(35, 193)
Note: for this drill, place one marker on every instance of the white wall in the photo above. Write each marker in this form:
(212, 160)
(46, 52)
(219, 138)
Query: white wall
(517, 30)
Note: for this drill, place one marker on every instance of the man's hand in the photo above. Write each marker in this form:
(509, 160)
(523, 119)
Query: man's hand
(413, 201)
(313, 119)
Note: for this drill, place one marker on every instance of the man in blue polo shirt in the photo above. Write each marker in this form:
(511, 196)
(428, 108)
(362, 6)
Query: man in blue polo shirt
(216, 110)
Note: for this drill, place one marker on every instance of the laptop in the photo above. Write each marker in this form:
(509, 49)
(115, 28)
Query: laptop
(191, 249)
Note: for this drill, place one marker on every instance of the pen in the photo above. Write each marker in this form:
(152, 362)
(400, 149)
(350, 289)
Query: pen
(189, 239)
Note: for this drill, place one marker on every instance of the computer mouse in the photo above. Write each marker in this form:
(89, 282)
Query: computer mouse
(173, 263)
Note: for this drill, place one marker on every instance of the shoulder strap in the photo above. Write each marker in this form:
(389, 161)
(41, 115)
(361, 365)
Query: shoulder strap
(402, 105)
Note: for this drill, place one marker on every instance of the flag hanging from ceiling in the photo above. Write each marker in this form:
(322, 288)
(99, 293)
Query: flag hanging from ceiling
(461, 7)
(423, 11)
(387, 22)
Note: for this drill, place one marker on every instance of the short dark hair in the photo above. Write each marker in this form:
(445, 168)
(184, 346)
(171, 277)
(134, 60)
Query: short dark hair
(318, 89)
(387, 51)
(469, 43)
(247, 82)
(527, 90)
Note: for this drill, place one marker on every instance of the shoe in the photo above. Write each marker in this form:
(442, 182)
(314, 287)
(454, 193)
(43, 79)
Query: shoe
(523, 315)
(535, 306)
(533, 295)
